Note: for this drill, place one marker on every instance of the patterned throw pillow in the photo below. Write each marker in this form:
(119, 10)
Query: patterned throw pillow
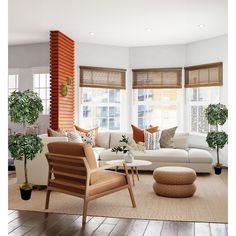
(95, 130)
(88, 137)
(74, 136)
(152, 140)
(166, 138)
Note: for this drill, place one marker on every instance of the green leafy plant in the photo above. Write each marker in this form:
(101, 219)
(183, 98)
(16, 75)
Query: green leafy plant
(128, 146)
(24, 108)
(216, 115)
(23, 147)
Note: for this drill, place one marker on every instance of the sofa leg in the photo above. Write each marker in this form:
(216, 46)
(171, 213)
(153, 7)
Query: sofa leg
(47, 198)
(132, 196)
(85, 207)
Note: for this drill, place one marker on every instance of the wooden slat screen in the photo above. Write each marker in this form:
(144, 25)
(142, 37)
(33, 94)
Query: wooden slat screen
(157, 78)
(98, 77)
(61, 67)
(204, 75)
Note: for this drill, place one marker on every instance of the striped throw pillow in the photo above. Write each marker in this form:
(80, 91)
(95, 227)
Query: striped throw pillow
(74, 136)
(152, 140)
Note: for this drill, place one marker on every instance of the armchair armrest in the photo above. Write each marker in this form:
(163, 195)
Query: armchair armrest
(108, 166)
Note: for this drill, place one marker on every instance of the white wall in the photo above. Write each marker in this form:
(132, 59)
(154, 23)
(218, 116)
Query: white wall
(201, 52)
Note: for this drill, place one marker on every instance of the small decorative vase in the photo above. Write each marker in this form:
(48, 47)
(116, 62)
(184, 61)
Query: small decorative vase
(128, 158)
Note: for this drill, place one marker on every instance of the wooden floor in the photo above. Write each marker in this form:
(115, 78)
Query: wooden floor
(37, 223)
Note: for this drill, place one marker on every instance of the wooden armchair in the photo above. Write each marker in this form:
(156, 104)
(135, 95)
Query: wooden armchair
(73, 170)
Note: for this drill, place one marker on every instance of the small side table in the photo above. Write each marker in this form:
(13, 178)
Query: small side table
(133, 166)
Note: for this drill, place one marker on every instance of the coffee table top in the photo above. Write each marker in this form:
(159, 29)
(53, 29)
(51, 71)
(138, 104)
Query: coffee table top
(135, 163)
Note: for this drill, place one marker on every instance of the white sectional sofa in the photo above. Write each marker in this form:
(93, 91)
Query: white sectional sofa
(198, 159)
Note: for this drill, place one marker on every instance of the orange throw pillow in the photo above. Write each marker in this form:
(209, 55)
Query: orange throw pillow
(138, 134)
(87, 130)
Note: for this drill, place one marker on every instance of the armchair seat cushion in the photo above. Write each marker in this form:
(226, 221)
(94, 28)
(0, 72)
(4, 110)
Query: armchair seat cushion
(106, 180)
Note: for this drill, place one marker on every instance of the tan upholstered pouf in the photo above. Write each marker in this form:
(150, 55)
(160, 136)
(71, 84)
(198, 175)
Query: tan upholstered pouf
(174, 181)
(174, 175)
(178, 191)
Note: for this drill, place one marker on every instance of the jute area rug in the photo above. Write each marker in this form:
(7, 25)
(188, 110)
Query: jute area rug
(209, 203)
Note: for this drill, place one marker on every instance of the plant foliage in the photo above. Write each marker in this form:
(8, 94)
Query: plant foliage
(24, 146)
(216, 114)
(217, 139)
(24, 107)
(127, 146)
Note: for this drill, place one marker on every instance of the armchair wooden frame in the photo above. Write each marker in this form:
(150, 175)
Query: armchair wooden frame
(65, 168)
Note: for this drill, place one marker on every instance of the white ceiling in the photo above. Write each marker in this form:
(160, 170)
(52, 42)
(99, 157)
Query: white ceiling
(117, 22)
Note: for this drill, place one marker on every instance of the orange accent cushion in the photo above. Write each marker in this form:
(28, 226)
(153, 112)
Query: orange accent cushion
(87, 130)
(138, 134)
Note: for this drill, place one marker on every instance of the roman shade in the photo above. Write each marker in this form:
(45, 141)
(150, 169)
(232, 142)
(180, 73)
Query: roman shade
(99, 77)
(157, 78)
(204, 75)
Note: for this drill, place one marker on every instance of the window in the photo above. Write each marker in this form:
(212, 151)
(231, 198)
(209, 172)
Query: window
(13, 83)
(156, 107)
(197, 100)
(101, 107)
(42, 87)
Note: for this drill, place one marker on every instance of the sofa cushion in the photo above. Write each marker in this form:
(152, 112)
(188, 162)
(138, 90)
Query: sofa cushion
(181, 140)
(97, 151)
(138, 134)
(116, 137)
(166, 138)
(163, 155)
(93, 131)
(152, 140)
(103, 139)
(199, 156)
(108, 155)
(160, 155)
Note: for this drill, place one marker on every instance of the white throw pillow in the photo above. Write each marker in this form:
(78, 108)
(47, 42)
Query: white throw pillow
(152, 140)
(74, 136)
(181, 140)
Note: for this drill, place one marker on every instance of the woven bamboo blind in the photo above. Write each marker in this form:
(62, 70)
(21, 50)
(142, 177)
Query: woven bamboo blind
(98, 77)
(157, 78)
(204, 75)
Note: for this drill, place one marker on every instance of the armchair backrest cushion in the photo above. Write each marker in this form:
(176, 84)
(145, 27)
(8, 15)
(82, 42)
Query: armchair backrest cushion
(74, 149)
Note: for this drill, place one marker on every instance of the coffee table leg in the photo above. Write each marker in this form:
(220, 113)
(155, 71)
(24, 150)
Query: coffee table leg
(136, 170)
(132, 172)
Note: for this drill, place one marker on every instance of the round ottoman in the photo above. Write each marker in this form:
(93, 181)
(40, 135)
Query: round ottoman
(174, 181)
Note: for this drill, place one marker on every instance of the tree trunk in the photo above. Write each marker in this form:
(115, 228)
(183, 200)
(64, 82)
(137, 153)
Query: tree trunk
(25, 168)
(218, 156)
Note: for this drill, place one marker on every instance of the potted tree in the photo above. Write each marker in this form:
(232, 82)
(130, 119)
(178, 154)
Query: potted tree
(24, 108)
(217, 115)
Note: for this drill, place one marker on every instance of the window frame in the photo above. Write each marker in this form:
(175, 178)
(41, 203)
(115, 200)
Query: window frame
(178, 104)
(43, 70)
(14, 72)
(188, 105)
(121, 105)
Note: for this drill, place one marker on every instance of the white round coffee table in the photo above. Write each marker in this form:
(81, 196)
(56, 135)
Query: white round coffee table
(133, 166)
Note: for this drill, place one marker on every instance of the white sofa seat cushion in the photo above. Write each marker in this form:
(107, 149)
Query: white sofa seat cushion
(108, 155)
(97, 151)
(160, 155)
(103, 139)
(199, 156)
(163, 155)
